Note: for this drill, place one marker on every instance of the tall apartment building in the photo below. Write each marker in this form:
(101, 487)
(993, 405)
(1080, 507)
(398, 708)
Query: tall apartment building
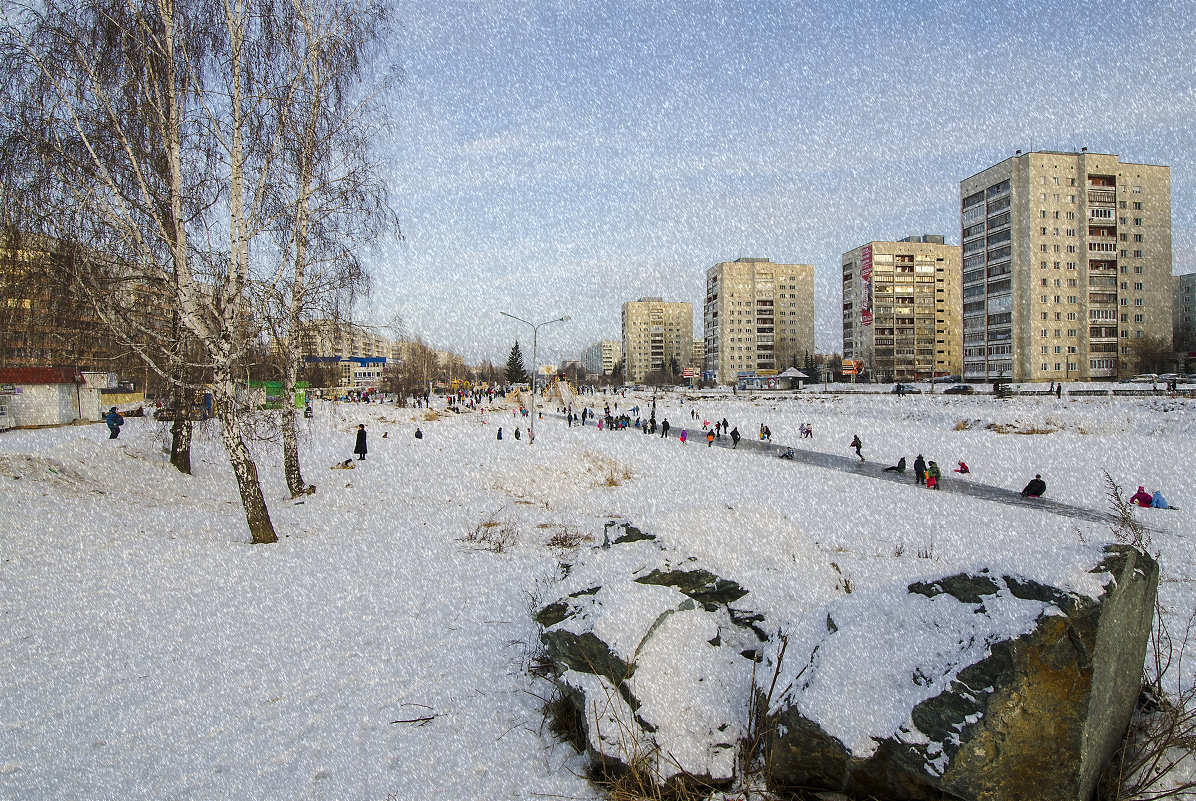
(1184, 318)
(902, 308)
(758, 317)
(655, 334)
(1066, 262)
(601, 357)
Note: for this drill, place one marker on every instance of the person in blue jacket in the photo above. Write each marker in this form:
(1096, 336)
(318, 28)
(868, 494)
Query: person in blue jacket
(114, 421)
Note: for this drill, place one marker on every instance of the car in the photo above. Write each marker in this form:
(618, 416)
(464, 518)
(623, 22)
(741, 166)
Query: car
(1145, 378)
(1168, 377)
(960, 389)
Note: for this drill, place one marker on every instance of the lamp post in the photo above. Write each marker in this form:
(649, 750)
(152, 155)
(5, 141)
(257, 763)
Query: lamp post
(531, 436)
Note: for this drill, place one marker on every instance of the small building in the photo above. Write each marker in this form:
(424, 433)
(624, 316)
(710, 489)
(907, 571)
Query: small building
(47, 396)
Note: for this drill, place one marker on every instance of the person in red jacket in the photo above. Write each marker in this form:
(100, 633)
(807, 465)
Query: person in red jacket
(1141, 497)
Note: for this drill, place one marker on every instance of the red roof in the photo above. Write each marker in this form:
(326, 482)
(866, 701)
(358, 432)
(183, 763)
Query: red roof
(39, 375)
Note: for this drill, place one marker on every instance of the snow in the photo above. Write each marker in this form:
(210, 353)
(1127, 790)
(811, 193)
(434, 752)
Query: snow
(148, 651)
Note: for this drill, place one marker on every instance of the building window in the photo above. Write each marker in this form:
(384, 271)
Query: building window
(1138, 301)
(1137, 205)
(1137, 221)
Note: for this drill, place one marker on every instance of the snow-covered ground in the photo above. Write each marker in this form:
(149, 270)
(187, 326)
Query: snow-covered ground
(147, 651)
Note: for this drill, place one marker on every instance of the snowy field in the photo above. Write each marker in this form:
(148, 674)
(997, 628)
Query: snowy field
(147, 651)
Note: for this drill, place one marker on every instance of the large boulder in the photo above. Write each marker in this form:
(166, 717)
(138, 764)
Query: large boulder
(656, 652)
(976, 686)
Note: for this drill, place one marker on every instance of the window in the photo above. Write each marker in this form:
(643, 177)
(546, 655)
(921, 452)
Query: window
(1071, 232)
(1137, 190)
(1043, 266)
(1058, 349)
(1055, 232)
(1071, 215)
(1071, 332)
(1139, 318)
(1138, 269)
(1072, 299)
(1072, 316)
(1137, 221)
(1137, 237)
(1138, 286)
(1043, 230)
(1043, 214)
(1045, 351)
(1044, 298)
(1044, 332)
(1138, 301)
(1071, 282)
(1137, 205)
(1044, 282)
(1042, 248)
(1137, 254)
(1071, 349)
(1058, 333)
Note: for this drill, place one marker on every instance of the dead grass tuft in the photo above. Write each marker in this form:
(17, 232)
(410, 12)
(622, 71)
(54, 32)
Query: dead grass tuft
(565, 538)
(492, 534)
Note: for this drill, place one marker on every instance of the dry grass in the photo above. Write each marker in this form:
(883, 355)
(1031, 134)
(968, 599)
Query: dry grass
(493, 534)
(1017, 428)
(1162, 733)
(965, 425)
(431, 416)
(565, 538)
(606, 472)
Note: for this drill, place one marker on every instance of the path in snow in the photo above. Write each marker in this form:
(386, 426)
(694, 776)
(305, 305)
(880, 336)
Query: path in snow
(848, 464)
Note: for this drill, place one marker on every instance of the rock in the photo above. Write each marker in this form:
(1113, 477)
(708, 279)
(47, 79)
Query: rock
(654, 660)
(991, 688)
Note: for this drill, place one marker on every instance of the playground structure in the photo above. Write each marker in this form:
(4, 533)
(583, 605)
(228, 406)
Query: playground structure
(559, 391)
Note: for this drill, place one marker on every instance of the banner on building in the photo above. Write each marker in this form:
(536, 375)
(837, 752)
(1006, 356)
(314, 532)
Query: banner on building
(866, 285)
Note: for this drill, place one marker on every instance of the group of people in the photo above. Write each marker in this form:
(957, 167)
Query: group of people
(1153, 500)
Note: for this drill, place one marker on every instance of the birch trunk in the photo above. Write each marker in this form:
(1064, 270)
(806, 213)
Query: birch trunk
(290, 440)
(261, 529)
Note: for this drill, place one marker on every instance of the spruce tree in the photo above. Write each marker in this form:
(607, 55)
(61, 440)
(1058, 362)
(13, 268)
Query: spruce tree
(515, 371)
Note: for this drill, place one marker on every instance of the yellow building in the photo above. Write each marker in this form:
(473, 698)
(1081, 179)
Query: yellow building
(902, 308)
(758, 317)
(1066, 264)
(656, 335)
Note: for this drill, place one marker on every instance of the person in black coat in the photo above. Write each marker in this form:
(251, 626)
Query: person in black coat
(1035, 488)
(360, 448)
(735, 437)
(920, 469)
(897, 468)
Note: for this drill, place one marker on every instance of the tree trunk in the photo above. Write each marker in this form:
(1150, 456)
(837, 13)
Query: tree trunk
(290, 440)
(261, 530)
(180, 430)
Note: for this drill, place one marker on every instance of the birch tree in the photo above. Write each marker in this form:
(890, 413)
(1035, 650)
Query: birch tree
(333, 199)
(152, 127)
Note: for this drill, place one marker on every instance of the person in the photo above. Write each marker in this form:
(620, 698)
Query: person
(709, 438)
(308, 413)
(963, 468)
(500, 432)
(516, 432)
(734, 437)
(114, 421)
(1159, 502)
(418, 434)
(897, 468)
(855, 443)
(1141, 497)
(683, 436)
(920, 469)
(767, 434)
(933, 476)
(664, 429)
(1059, 390)
(788, 454)
(1035, 488)
(360, 448)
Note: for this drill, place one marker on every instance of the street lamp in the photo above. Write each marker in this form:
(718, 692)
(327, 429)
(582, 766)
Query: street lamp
(531, 436)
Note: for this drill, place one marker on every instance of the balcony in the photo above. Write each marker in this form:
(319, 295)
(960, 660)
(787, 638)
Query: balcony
(1108, 196)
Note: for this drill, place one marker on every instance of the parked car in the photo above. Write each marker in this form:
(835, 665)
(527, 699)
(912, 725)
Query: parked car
(1169, 377)
(1142, 378)
(959, 389)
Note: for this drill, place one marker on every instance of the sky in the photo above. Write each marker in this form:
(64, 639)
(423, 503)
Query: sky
(562, 158)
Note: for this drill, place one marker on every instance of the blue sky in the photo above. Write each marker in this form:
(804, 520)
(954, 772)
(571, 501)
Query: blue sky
(551, 158)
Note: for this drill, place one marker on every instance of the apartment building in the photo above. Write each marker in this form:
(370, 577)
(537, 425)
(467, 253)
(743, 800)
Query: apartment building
(655, 335)
(902, 308)
(600, 358)
(1184, 317)
(325, 338)
(758, 317)
(698, 360)
(1066, 264)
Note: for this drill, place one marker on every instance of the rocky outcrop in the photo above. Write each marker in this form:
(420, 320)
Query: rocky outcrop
(976, 686)
(1025, 697)
(650, 651)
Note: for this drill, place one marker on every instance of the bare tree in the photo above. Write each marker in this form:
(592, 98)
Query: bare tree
(155, 135)
(334, 199)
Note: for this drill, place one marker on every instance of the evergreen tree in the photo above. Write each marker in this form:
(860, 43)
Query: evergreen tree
(515, 370)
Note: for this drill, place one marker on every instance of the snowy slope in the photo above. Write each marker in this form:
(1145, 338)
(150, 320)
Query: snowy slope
(147, 651)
